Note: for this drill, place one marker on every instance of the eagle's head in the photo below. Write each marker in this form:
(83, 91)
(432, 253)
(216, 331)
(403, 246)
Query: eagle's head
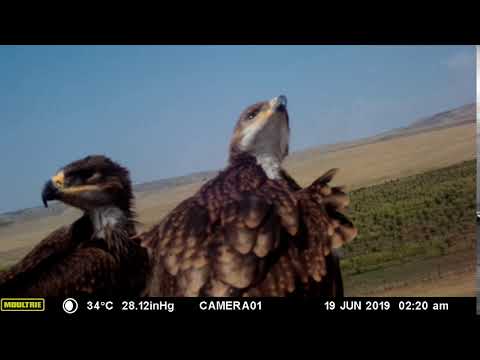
(91, 183)
(263, 131)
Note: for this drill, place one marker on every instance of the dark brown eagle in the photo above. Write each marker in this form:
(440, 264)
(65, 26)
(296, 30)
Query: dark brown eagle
(95, 254)
(252, 230)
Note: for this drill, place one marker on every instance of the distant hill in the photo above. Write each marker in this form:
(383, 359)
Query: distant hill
(460, 115)
(55, 208)
(175, 181)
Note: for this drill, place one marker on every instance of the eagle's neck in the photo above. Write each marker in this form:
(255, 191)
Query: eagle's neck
(106, 218)
(111, 225)
(271, 165)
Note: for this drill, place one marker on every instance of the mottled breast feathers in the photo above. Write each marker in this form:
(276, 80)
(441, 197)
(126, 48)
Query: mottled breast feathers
(242, 234)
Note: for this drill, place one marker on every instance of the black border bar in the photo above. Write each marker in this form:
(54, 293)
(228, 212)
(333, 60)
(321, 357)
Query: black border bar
(460, 307)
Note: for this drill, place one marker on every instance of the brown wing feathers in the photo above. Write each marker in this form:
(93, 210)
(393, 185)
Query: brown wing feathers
(55, 268)
(332, 201)
(13, 278)
(222, 232)
(246, 234)
(69, 262)
(306, 259)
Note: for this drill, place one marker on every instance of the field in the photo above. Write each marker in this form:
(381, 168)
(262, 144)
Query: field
(421, 219)
(419, 189)
(431, 214)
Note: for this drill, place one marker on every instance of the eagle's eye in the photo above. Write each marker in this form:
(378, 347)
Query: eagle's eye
(82, 176)
(94, 176)
(252, 114)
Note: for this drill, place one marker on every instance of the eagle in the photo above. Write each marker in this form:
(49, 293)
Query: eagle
(252, 230)
(95, 255)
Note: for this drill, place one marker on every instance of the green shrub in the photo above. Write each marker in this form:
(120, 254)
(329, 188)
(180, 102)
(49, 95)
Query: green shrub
(429, 214)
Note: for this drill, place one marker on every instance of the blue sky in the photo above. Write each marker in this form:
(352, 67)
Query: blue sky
(165, 111)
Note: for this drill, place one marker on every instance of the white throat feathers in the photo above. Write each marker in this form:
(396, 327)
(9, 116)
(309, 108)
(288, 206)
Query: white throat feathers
(110, 224)
(106, 219)
(270, 165)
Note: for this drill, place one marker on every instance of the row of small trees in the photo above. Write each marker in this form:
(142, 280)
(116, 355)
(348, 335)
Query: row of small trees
(426, 214)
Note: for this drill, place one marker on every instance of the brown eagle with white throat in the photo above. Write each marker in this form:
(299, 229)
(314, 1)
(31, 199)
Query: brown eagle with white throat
(94, 255)
(252, 230)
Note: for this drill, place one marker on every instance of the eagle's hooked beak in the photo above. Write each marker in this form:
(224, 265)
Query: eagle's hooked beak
(52, 187)
(278, 103)
(49, 192)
